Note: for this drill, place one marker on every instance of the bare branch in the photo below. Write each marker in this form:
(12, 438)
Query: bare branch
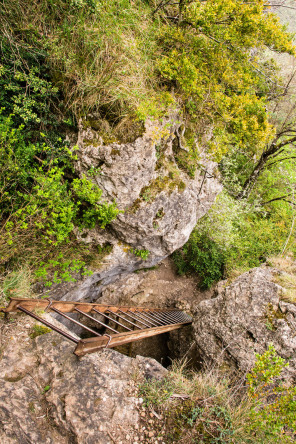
(277, 198)
(161, 5)
(280, 160)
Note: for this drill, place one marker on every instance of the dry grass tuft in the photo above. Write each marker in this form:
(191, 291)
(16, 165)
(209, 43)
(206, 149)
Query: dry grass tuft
(287, 279)
(198, 406)
(16, 283)
(286, 263)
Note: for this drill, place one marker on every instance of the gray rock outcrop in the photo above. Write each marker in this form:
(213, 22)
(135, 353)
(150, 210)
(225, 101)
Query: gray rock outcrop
(159, 200)
(48, 395)
(243, 319)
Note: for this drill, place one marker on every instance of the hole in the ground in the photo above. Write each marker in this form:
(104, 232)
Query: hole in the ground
(155, 347)
(164, 348)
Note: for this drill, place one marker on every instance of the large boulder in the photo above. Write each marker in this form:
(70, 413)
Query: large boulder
(160, 200)
(243, 319)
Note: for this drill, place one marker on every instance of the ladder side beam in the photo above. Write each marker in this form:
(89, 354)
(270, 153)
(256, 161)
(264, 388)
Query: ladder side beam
(91, 345)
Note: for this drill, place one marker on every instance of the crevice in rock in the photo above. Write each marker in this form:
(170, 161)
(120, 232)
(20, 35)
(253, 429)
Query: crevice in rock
(250, 336)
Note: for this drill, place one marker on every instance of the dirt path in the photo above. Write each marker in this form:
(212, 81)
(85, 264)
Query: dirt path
(158, 287)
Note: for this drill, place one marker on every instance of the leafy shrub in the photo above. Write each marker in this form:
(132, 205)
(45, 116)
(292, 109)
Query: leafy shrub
(25, 87)
(60, 270)
(203, 256)
(36, 201)
(273, 413)
(244, 235)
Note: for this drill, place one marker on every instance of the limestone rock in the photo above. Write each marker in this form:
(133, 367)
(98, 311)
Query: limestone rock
(48, 395)
(243, 319)
(161, 203)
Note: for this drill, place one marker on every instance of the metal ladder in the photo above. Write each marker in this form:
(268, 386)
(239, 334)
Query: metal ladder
(120, 324)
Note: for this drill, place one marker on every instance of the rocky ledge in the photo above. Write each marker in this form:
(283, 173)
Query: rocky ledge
(243, 318)
(48, 395)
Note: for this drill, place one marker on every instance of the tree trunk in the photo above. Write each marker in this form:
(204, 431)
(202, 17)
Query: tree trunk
(251, 180)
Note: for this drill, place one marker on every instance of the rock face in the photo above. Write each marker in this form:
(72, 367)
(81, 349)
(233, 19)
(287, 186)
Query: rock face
(160, 201)
(48, 395)
(243, 319)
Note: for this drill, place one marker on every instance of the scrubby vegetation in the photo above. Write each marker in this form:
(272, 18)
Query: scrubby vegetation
(211, 408)
(123, 61)
(120, 62)
(235, 236)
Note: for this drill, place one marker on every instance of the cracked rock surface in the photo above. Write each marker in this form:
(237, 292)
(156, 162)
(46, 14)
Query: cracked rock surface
(160, 202)
(48, 395)
(243, 319)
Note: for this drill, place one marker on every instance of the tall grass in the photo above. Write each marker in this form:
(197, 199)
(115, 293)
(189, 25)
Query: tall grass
(16, 284)
(101, 53)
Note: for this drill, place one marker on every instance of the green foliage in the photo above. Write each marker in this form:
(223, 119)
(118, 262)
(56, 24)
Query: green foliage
(38, 330)
(241, 236)
(102, 213)
(273, 414)
(36, 201)
(143, 254)
(207, 56)
(208, 407)
(25, 88)
(55, 271)
(203, 256)
(39, 196)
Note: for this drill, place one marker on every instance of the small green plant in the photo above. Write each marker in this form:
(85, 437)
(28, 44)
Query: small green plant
(94, 171)
(269, 325)
(155, 392)
(146, 195)
(46, 389)
(38, 330)
(60, 270)
(143, 254)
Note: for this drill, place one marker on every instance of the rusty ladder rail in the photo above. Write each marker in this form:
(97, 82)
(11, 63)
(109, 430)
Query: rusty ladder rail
(136, 323)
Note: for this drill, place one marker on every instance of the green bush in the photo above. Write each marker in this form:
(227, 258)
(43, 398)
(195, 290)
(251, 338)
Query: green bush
(272, 416)
(203, 256)
(38, 202)
(236, 235)
(210, 407)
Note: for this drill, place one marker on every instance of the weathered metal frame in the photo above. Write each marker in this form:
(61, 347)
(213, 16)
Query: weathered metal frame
(146, 322)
